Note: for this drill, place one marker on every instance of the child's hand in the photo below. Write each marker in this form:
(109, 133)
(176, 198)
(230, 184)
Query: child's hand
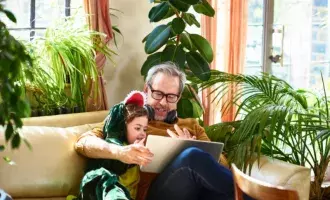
(135, 153)
(141, 142)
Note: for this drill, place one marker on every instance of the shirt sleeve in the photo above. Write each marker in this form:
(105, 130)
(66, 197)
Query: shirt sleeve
(200, 133)
(95, 132)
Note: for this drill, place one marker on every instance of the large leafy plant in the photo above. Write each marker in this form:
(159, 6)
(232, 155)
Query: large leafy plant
(172, 42)
(276, 120)
(13, 57)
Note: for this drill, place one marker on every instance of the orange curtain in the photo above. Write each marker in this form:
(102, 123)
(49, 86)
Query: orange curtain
(235, 49)
(209, 32)
(233, 20)
(98, 20)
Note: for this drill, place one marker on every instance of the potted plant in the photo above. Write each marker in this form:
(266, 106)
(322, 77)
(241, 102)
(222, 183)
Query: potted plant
(66, 56)
(191, 52)
(278, 121)
(13, 106)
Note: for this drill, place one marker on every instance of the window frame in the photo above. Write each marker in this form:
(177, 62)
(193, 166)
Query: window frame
(32, 27)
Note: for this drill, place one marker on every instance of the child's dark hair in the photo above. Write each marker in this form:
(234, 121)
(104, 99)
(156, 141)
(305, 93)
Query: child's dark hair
(132, 111)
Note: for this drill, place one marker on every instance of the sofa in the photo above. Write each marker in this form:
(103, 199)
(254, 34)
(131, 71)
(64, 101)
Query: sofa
(53, 170)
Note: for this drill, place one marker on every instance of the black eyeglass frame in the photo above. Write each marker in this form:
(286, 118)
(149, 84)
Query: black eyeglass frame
(163, 94)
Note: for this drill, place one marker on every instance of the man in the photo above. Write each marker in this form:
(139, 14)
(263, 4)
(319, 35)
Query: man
(193, 174)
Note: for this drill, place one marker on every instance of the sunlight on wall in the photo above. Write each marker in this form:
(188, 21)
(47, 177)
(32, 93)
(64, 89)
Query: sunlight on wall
(134, 25)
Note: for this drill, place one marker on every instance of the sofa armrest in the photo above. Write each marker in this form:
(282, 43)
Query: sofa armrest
(280, 173)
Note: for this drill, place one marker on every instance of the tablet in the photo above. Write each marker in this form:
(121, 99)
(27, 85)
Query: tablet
(165, 149)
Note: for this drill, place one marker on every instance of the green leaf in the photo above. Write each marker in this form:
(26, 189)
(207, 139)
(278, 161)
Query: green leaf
(17, 120)
(170, 13)
(180, 5)
(158, 12)
(191, 2)
(178, 25)
(175, 54)
(28, 74)
(2, 148)
(204, 8)
(145, 38)
(197, 110)
(190, 19)
(186, 41)
(16, 141)
(8, 160)
(157, 38)
(185, 108)
(9, 132)
(10, 15)
(198, 65)
(203, 46)
(27, 143)
(151, 61)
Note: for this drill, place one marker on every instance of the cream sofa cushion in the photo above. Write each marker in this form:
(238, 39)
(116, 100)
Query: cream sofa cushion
(280, 173)
(51, 169)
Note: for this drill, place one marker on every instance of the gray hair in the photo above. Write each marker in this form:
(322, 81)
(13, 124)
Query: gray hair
(168, 68)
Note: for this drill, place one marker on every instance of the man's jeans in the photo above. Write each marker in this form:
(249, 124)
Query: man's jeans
(193, 175)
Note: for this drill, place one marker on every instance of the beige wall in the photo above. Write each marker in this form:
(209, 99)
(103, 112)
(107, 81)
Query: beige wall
(134, 25)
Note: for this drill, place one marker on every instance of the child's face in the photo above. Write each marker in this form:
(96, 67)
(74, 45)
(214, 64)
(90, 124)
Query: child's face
(136, 129)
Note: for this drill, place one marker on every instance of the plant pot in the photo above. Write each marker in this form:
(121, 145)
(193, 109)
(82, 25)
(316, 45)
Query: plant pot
(77, 109)
(41, 112)
(56, 111)
(63, 110)
(34, 113)
(69, 110)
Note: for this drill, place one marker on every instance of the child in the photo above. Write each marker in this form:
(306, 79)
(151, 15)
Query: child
(111, 179)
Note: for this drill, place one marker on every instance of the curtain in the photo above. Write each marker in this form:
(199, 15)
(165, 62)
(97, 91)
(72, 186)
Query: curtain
(209, 32)
(98, 20)
(235, 49)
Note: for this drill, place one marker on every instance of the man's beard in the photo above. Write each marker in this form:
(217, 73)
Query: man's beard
(160, 118)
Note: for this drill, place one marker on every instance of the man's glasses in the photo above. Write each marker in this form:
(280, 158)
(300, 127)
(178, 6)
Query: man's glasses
(159, 95)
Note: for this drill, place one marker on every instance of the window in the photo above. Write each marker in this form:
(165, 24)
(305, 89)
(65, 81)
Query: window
(34, 16)
(254, 41)
(300, 36)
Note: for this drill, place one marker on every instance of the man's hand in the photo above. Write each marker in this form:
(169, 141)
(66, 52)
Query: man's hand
(135, 153)
(182, 133)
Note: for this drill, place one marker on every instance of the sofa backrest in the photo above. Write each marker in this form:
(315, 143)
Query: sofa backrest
(67, 120)
(52, 168)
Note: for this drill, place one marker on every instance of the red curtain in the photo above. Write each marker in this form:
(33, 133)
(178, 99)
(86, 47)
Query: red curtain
(98, 20)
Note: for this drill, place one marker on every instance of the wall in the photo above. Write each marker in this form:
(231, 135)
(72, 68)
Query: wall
(134, 25)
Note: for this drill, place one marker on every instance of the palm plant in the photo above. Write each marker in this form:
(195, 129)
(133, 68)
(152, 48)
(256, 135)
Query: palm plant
(275, 120)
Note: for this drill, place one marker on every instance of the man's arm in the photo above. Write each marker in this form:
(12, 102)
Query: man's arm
(92, 145)
(200, 133)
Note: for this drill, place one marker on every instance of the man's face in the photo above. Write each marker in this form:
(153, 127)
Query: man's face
(167, 85)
